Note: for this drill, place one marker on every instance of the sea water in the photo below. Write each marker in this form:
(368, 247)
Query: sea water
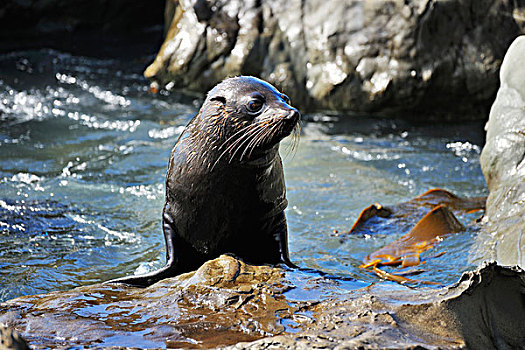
(84, 148)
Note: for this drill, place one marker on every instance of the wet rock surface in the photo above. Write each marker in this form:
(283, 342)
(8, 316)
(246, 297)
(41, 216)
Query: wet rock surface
(503, 162)
(437, 59)
(223, 302)
(483, 310)
(227, 302)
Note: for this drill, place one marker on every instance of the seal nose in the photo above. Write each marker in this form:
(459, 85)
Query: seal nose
(293, 115)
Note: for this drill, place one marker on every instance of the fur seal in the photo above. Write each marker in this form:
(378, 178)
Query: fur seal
(225, 190)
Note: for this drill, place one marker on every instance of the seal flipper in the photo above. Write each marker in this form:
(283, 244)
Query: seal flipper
(147, 279)
(169, 270)
(281, 236)
(285, 257)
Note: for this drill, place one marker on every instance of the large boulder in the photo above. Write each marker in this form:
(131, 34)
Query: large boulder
(416, 59)
(503, 163)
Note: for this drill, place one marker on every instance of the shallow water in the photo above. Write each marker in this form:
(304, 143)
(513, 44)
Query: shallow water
(83, 156)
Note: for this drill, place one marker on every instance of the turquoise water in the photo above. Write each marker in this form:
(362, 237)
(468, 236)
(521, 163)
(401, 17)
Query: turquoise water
(83, 156)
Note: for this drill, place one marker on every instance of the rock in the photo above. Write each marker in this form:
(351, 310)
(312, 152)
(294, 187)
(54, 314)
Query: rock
(483, 310)
(87, 27)
(11, 340)
(503, 164)
(488, 306)
(415, 59)
(224, 302)
(227, 303)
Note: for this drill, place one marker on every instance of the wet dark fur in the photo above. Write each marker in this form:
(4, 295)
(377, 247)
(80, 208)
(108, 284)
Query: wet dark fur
(225, 190)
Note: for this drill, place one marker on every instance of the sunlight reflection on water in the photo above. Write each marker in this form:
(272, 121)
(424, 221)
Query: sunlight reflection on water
(83, 155)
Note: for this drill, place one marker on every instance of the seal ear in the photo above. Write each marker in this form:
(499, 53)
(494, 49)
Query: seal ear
(220, 99)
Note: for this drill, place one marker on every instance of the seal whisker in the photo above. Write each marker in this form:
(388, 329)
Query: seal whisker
(291, 148)
(253, 136)
(242, 139)
(254, 142)
(263, 136)
(229, 146)
(260, 136)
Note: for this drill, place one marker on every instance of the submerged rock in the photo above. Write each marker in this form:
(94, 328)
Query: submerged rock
(416, 59)
(503, 164)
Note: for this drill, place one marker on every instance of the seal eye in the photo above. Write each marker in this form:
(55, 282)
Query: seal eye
(255, 105)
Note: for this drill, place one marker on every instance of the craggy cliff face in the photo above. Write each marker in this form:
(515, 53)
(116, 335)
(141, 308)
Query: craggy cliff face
(413, 58)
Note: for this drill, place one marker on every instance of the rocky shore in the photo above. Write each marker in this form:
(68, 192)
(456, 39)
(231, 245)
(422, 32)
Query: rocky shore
(417, 59)
(399, 58)
(228, 302)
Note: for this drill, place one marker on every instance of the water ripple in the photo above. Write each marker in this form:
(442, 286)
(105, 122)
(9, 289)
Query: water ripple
(84, 149)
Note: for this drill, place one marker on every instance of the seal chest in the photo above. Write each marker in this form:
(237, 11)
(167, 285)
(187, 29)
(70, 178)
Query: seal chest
(225, 190)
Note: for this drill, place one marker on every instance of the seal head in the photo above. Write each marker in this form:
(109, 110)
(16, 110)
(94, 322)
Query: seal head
(225, 189)
(242, 119)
